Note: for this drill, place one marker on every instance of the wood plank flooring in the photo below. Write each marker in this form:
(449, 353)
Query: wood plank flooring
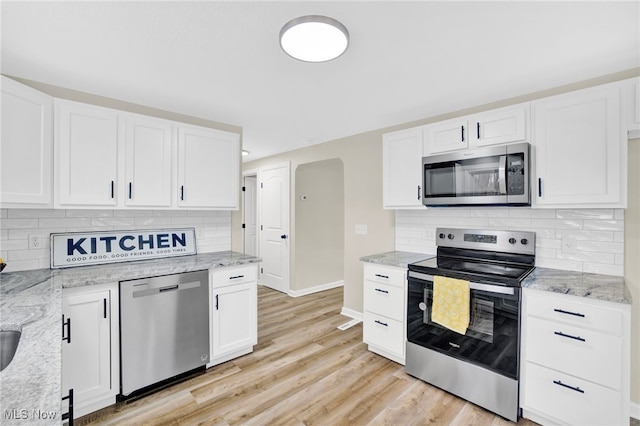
(304, 371)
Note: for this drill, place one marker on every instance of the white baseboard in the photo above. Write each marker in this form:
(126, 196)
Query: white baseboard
(634, 410)
(315, 289)
(351, 313)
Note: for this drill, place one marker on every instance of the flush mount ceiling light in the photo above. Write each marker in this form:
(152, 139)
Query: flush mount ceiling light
(314, 38)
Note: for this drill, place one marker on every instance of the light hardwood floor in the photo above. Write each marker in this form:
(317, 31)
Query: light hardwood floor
(304, 371)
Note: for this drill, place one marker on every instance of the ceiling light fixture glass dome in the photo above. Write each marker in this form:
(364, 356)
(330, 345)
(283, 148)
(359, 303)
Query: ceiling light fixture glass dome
(314, 38)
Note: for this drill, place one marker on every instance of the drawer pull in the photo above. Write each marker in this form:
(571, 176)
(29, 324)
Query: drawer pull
(236, 277)
(382, 291)
(382, 323)
(560, 333)
(562, 311)
(386, 277)
(559, 383)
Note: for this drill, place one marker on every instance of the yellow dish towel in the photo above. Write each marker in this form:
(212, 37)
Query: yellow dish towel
(451, 303)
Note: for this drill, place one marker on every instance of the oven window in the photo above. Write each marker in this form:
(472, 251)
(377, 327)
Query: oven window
(480, 318)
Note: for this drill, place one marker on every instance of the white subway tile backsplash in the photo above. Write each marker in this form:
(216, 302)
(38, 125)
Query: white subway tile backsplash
(19, 223)
(33, 213)
(213, 229)
(597, 235)
(585, 214)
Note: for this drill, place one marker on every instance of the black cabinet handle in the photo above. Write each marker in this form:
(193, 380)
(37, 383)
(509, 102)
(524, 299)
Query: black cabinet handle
(382, 323)
(113, 189)
(418, 192)
(539, 187)
(217, 303)
(462, 131)
(562, 311)
(130, 187)
(560, 333)
(559, 383)
(66, 323)
(104, 306)
(386, 277)
(478, 127)
(381, 290)
(69, 414)
(236, 277)
(283, 236)
(181, 192)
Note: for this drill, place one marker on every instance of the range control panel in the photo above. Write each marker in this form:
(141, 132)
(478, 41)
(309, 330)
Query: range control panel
(494, 240)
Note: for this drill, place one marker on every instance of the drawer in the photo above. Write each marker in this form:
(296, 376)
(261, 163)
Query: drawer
(234, 275)
(385, 275)
(595, 405)
(558, 308)
(384, 332)
(385, 300)
(581, 352)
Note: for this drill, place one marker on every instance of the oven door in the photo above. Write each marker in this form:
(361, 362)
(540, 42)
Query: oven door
(492, 338)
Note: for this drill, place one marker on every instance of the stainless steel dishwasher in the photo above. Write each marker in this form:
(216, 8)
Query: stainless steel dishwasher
(164, 328)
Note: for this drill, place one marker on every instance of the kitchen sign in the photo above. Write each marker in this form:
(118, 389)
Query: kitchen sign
(93, 248)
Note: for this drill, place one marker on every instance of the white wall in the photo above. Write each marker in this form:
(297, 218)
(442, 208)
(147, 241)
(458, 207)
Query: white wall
(597, 236)
(213, 229)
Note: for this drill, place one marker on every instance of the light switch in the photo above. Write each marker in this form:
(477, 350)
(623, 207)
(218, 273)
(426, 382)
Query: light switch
(361, 229)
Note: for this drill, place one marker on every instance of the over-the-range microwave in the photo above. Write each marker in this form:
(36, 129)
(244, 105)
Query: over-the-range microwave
(491, 176)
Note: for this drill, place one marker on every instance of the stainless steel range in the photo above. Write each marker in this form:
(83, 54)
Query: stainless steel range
(482, 365)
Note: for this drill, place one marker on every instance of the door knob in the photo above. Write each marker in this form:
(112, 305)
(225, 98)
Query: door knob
(284, 237)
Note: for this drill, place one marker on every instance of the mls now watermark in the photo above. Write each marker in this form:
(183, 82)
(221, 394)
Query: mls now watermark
(32, 414)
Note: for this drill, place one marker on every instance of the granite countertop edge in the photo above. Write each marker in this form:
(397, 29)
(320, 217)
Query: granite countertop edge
(31, 302)
(400, 259)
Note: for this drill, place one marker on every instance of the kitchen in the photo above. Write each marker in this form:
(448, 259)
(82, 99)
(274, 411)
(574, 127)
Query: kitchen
(386, 229)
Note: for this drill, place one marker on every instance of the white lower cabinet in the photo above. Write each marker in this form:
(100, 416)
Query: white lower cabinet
(233, 312)
(385, 299)
(575, 360)
(90, 347)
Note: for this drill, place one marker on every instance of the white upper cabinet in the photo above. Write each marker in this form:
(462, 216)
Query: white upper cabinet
(504, 125)
(497, 126)
(208, 168)
(401, 169)
(86, 153)
(580, 149)
(116, 159)
(446, 136)
(26, 147)
(148, 162)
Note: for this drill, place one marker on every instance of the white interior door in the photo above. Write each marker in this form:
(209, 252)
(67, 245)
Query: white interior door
(250, 216)
(273, 199)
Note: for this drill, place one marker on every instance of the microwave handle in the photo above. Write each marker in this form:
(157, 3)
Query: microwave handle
(502, 174)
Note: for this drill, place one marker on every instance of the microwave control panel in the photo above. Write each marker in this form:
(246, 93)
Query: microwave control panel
(515, 174)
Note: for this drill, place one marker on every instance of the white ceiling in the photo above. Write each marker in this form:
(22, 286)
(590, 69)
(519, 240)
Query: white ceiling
(221, 60)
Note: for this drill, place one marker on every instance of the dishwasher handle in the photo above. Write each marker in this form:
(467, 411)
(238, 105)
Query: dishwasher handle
(166, 289)
(169, 288)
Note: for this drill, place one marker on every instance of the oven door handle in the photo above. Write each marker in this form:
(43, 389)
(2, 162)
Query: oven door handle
(473, 286)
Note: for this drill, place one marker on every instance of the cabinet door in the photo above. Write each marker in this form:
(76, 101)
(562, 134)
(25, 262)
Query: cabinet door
(234, 324)
(26, 146)
(86, 155)
(401, 169)
(86, 359)
(148, 161)
(208, 168)
(503, 125)
(444, 136)
(580, 149)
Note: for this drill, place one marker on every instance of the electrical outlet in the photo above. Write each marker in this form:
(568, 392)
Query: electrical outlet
(569, 245)
(35, 242)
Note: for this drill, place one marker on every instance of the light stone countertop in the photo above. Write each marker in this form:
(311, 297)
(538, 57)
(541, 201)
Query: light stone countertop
(31, 301)
(400, 259)
(592, 286)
